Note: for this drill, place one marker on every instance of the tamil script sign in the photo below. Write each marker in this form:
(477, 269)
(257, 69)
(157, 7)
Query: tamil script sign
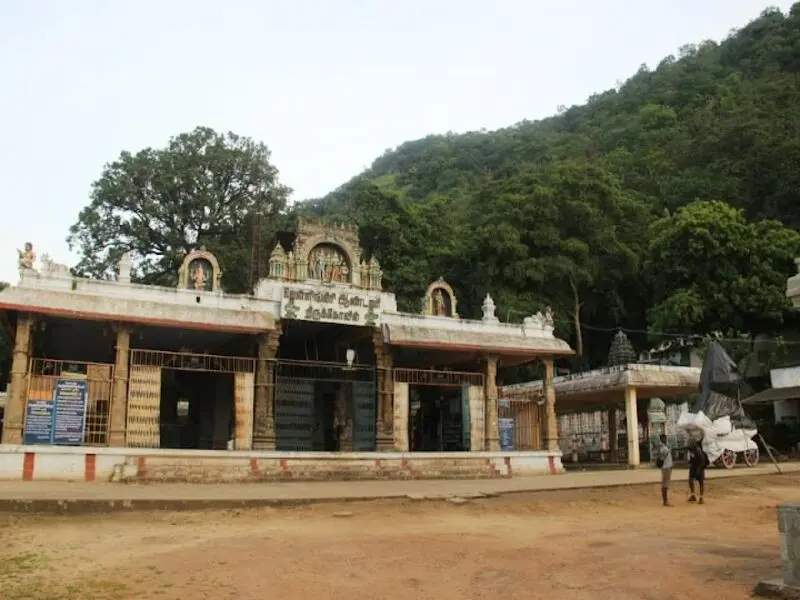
(60, 420)
(349, 308)
(38, 422)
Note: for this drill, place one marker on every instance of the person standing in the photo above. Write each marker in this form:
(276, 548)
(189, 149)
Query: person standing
(698, 461)
(664, 462)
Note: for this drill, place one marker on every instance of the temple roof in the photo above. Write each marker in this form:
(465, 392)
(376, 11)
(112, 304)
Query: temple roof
(199, 303)
(514, 343)
(606, 385)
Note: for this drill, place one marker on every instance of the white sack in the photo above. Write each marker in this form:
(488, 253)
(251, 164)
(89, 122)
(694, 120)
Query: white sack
(700, 421)
(722, 426)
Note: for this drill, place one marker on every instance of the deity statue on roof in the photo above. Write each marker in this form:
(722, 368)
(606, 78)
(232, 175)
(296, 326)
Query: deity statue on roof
(199, 277)
(439, 304)
(26, 257)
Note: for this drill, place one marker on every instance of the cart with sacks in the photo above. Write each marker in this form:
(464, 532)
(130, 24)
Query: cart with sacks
(723, 442)
(717, 417)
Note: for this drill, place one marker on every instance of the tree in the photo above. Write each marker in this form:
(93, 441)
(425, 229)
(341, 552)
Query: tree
(712, 270)
(203, 189)
(551, 237)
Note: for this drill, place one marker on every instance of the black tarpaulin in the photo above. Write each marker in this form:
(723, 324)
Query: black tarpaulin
(719, 388)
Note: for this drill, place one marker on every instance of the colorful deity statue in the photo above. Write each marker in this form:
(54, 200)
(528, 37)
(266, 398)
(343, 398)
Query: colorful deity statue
(26, 257)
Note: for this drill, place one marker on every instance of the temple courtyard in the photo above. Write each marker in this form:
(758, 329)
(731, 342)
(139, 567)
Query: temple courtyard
(570, 544)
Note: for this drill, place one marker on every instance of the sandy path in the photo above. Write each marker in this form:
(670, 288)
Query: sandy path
(617, 543)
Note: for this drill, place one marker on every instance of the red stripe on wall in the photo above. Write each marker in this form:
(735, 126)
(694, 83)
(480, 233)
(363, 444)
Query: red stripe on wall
(27, 466)
(254, 466)
(551, 462)
(89, 467)
(141, 467)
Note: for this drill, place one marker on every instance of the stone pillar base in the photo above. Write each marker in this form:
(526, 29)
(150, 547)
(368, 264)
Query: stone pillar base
(384, 442)
(264, 443)
(116, 439)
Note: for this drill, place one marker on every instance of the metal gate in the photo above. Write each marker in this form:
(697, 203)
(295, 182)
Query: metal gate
(294, 414)
(144, 407)
(364, 404)
(296, 420)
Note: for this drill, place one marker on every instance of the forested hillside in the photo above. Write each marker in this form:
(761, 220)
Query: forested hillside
(671, 203)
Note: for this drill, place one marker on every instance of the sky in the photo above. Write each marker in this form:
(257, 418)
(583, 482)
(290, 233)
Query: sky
(328, 85)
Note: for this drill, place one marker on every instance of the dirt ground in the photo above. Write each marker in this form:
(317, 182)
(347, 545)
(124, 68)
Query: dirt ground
(570, 545)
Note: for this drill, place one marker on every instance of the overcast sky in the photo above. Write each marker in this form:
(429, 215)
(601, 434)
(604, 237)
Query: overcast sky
(328, 85)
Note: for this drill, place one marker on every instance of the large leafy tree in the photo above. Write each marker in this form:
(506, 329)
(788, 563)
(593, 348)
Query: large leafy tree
(203, 189)
(554, 236)
(712, 270)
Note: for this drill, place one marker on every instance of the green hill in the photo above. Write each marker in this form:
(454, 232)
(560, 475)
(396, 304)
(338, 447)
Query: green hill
(560, 211)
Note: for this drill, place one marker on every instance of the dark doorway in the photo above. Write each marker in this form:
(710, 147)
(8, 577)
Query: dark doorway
(197, 410)
(438, 419)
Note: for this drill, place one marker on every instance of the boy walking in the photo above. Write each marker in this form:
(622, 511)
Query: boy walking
(698, 461)
(664, 462)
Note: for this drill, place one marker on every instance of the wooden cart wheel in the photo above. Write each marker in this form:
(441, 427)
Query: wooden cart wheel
(751, 457)
(728, 458)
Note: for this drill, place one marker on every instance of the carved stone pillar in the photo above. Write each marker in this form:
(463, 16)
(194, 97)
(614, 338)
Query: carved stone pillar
(550, 402)
(119, 397)
(264, 413)
(492, 442)
(15, 407)
(384, 419)
(400, 417)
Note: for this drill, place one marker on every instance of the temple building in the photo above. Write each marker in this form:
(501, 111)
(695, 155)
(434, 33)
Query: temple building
(317, 359)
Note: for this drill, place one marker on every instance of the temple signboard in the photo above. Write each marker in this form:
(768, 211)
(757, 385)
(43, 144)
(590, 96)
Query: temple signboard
(60, 420)
(348, 307)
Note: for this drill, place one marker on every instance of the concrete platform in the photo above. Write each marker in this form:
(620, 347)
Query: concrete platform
(80, 497)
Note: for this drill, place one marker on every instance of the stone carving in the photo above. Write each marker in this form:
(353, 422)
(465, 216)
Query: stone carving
(199, 275)
(440, 300)
(200, 272)
(325, 252)
(125, 266)
(621, 351)
(277, 263)
(342, 420)
(327, 262)
(489, 310)
(541, 321)
(371, 275)
(26, 257)
(54, 269)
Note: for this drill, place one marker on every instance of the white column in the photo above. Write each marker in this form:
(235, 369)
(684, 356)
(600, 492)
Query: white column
(632, 423)
(550, 400)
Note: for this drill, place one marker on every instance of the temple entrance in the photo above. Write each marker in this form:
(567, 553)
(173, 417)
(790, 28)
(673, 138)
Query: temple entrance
(324, 407)
(193, 401)
(197, 410)
(438, 419)
(445, 409)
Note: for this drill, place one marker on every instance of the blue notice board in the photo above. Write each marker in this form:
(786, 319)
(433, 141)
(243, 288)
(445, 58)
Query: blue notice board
(38, 422)
(69, 412)
(506, 426)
